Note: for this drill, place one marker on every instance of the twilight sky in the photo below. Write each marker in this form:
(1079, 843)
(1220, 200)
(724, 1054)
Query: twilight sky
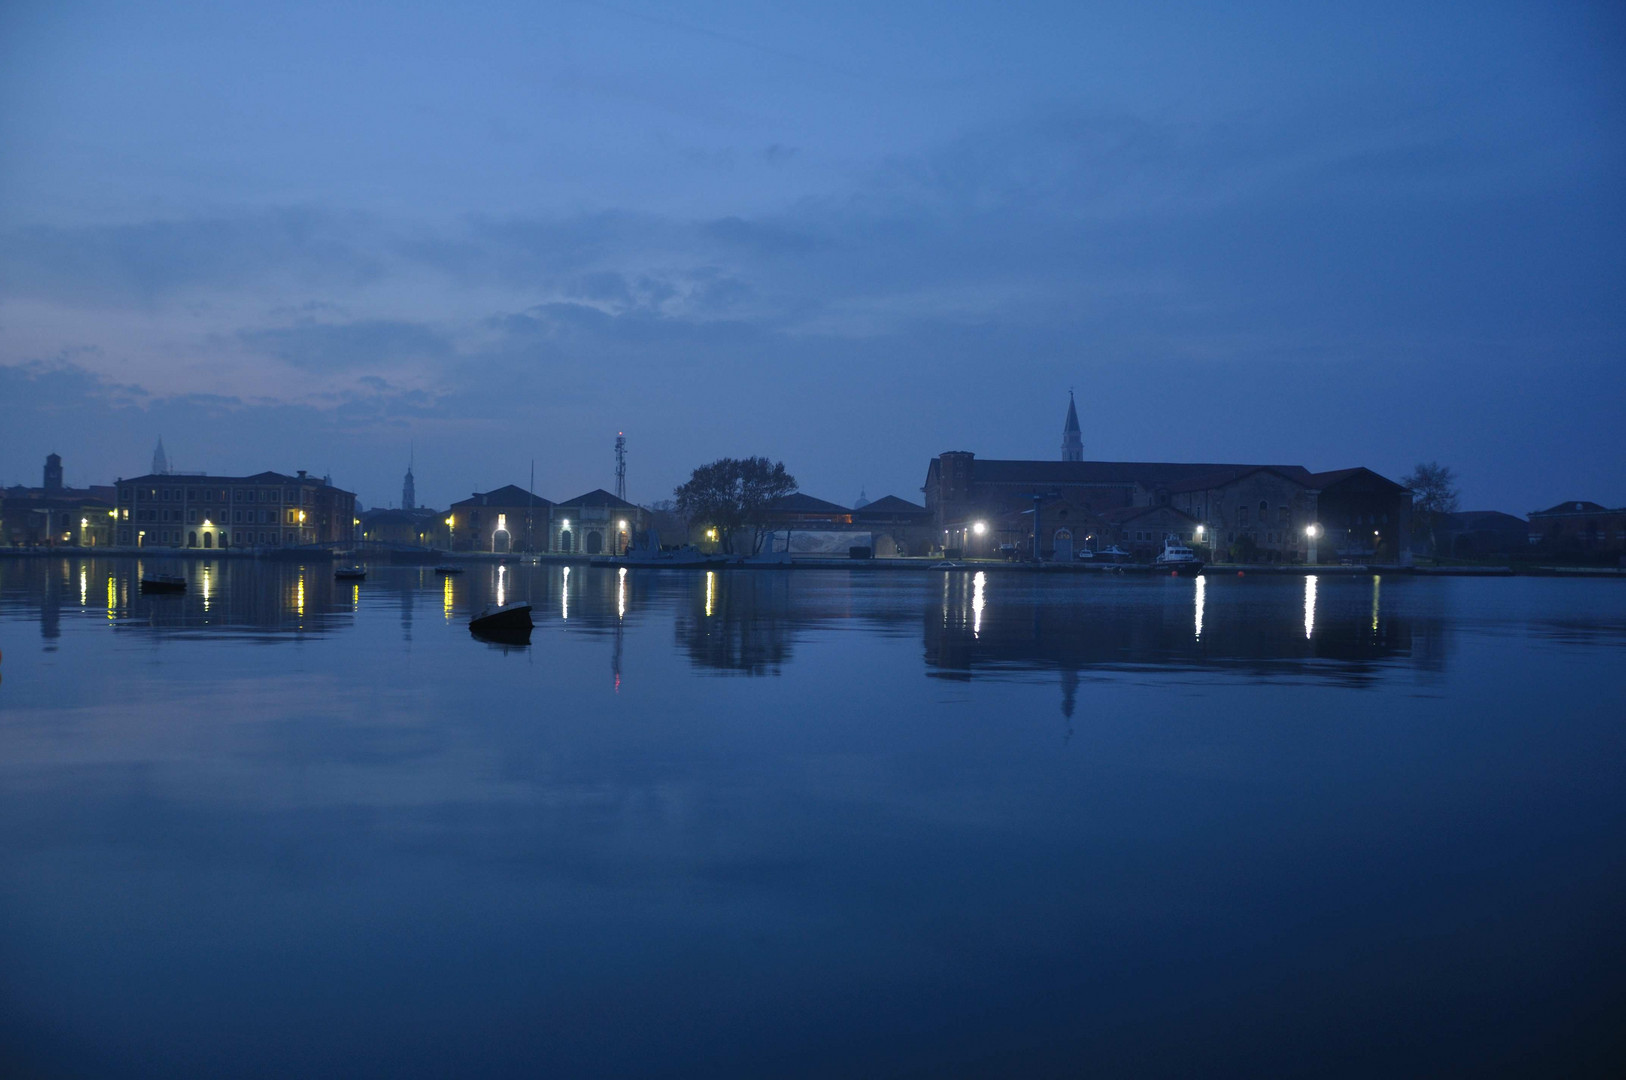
(850, 236)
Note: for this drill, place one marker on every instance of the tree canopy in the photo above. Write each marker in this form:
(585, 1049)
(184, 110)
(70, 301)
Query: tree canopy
(733, 493)
(1433, 488)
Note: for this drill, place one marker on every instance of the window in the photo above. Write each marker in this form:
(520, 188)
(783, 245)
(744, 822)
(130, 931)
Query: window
(237, 517)
(192, 516)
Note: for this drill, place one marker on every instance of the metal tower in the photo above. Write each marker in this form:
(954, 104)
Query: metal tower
(621, 465)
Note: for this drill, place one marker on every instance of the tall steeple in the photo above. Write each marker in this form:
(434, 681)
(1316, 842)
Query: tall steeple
(1072, 440)
(160, 460)
(409, 494)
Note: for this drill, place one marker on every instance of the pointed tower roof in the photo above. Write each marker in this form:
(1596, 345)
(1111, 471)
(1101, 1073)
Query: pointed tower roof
(1072, 439)
(160, 460)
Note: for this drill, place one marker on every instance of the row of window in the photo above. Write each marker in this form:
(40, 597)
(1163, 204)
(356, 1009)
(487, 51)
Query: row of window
(290, 495)
(238, 517)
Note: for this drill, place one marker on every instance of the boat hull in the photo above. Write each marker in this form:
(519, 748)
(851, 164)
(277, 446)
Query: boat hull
(170, 585)
(508, 619)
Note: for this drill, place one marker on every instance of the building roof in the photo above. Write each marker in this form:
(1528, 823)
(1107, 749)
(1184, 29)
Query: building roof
(888, 506)
(798, 502)
(1576, 507)
(1110, 473)
(1481, 520)
(267, 477)
(1125, 514)
(600, 497)
(507, 495)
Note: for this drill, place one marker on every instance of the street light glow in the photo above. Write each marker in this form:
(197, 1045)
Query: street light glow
(1312, 531)
(980, 527)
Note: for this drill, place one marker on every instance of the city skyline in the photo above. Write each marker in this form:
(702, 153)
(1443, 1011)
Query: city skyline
(845, 239)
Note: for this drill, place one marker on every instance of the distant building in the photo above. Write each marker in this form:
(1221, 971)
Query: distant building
(508, 518)
(1246, 513)
(1579, 529)
(418, 527)
(409, 491)
(160, 460)
(1474, 534)
(899, 527)
(596, 523)
(268, 509)
(55, 515)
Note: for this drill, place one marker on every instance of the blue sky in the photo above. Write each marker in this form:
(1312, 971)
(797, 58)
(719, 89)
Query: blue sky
(309, 236)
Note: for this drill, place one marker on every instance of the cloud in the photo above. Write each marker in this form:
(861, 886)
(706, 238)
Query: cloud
(338, 347)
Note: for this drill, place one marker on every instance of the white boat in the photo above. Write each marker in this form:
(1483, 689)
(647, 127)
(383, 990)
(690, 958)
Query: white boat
(1176, 557)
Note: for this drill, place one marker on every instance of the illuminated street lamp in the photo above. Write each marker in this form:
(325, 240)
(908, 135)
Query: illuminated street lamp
(1311, 531)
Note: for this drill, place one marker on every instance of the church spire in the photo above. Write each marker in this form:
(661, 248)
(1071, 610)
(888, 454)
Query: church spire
(160, 460)
(1072, 440)
(409, 494)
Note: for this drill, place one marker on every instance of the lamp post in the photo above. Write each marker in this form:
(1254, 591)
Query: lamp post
(1311, 531)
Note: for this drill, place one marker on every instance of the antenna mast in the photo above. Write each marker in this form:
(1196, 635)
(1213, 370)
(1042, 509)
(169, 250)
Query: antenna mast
(621, 466)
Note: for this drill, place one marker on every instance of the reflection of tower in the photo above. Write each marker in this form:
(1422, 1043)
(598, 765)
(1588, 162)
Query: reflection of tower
(1069, 691)
(620, 465)
(160, 460)
(409, 493)
(53, 472)
(1072, 440)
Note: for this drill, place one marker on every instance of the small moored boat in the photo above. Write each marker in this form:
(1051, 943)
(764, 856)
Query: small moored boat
(448, 568)
(350, 573)
(504, 619)
(163, 583)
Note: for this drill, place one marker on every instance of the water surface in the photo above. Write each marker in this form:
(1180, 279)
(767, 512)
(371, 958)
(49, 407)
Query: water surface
(808, 824)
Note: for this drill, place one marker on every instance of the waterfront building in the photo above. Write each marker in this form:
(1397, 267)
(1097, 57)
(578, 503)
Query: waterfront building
(55, 515)
(900, 527)
(1579, 529)
(596, 523)
(1247, 513)
(268, 509)
(508, 518)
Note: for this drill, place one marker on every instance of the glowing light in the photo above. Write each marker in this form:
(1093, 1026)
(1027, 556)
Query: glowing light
(355, 598)
(1377, 582)
(1199, 536)
(299, 596)
(564, 524)
(621, 593)
(84, 586)
(446, 597)
(1202, 598)
(622, 525)
(1312, 531)
(502, 584)
(711, 591)
(977, 602)
(448, 522)
(711, 534)
(206, 588)
(502, 522)
(112, 597)
(301, 518)
(114, 513)
(980, 527)
(564, 596)
(1309, 605)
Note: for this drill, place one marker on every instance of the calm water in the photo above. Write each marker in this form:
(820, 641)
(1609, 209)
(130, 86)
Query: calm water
(809, 824)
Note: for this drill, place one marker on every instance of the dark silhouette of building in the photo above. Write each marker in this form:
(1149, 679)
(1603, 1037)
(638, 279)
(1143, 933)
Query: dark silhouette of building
(54, 515)
(1270, 513)
(1579, 529)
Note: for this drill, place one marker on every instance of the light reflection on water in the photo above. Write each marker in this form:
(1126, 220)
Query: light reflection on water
(835, 814)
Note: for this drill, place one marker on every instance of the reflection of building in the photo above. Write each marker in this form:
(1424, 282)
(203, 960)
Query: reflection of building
(268, 509)
(55, 515)
(1245, 512)
(1579, 529)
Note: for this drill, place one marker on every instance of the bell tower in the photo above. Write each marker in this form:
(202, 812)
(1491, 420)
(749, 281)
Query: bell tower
(1072, 440)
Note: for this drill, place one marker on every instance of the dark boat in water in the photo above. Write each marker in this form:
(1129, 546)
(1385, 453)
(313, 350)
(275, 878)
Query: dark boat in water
(503, 622)
(163, 583)
(350, 573)
(448, 568)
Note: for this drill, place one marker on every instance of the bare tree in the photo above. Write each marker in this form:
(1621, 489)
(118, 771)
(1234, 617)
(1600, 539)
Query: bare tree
(1433, 496)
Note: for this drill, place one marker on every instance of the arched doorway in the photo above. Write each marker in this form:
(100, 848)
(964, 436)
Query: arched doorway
(567, 542)
(1064, 545)
(501, 541)
(595, 543)
(208, 540)
(192, 539)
